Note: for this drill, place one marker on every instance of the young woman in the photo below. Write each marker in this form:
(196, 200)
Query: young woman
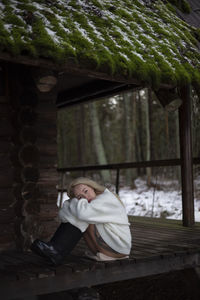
(95, 213)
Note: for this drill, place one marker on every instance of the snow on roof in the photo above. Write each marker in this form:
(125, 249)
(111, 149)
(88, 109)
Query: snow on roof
(137, 39)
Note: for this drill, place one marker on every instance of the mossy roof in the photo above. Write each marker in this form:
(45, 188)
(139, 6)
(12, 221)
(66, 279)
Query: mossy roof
(133, 38)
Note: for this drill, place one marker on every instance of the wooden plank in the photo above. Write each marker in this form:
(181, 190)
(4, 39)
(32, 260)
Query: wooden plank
(151, 252)
(140, 268)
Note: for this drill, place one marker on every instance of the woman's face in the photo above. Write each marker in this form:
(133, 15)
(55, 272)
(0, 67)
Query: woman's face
(84, 191)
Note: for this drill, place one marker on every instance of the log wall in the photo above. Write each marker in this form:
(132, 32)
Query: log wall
(28, 157)
(7, 172)
(47, 145)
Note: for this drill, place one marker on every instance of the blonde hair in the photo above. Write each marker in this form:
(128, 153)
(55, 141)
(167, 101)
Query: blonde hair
(87, 181)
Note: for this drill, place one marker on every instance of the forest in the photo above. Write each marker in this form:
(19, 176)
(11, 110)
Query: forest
(130, 127)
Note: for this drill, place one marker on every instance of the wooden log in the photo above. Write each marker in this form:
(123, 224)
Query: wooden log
(48, 212)
(45, 79)
(5, 127)
(15, 120)
(48, 162)
(28, 135)
(6, 196)
(47, 229)
(49, 117)
(5, 145)
(6, 229)
(7, 237)
(29, 155)
(30, 174)
(7, 215)
(29, 98)
(3, 99)
(6, 178)
(17, 190)
(49, 149)
(31, 207)
(49, 176)
(27, 115)
(30, 190)
(5, 110)
(48, 193)
(14, 157)
(45, 131)
(45, 126)
(5, 161)
(17, 175)
(47, 107)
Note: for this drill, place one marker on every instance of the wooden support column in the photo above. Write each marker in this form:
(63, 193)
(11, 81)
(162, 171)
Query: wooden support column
(186, 157)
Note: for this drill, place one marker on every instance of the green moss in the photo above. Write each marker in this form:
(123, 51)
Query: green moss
(123, 14)
(171, 8)
(196, 81)
(106, 60)
(183, 5)
(97, 4)
(5, 41)
(196, 33)
(154, 74)
(13, 19)
(43, 42)
(182, 76)
(6, 2)
(167, 73)
(26, 7)
(129, 29)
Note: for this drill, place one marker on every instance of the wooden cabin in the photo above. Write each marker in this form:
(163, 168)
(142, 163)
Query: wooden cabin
(58, 54)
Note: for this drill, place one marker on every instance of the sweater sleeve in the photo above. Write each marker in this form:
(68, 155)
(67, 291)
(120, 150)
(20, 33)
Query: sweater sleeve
(104, 209)
(65, 216)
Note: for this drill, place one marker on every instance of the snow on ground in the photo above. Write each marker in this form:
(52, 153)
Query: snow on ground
(149, 202)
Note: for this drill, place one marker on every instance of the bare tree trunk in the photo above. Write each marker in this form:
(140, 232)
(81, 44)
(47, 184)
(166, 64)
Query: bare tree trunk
(134, 114)
(148, 137)
(80, 116)
(127, 97)
(178, 147)
(167, 131)
(139, 131)
(97, 140)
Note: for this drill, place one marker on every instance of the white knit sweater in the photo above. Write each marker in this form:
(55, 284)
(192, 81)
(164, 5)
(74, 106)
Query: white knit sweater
(107, 212)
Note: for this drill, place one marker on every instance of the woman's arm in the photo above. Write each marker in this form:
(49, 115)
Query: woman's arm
(105, 208)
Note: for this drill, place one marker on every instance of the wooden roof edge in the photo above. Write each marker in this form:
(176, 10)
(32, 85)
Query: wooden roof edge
(71, 68)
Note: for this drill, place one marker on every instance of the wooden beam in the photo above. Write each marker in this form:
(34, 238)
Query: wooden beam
(94, 90)
(132, 165)
(128, 165)
(186, 157)
(69, 67)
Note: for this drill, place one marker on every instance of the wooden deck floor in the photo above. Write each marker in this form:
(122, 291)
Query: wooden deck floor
(158, 246)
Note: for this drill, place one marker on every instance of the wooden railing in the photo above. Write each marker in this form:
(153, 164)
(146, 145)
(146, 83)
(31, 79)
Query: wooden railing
(128, 165)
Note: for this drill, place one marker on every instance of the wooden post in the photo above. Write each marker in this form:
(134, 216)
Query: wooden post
(186, 157)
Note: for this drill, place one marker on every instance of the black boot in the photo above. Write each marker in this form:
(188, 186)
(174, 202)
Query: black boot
(62, 243)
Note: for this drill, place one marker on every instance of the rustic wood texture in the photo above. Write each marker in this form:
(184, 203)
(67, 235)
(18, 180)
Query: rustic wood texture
(7, 175)
(159, 246)
(46, 143)
(186, 157)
